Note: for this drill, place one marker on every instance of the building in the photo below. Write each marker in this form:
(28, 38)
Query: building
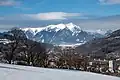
(112, 66)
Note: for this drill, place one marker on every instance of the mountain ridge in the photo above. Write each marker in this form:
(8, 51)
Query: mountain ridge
(62, 34)
(103, 47)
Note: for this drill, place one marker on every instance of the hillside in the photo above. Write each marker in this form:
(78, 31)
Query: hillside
(108, 46)
(14, 72)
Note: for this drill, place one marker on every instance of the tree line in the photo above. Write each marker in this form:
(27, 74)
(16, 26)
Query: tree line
(22, 50)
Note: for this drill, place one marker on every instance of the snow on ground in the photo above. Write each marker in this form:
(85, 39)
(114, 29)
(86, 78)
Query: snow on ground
(15, 72)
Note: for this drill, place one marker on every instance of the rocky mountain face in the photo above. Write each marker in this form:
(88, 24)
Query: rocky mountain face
(103, 47)
(62, 34)
(17, 34)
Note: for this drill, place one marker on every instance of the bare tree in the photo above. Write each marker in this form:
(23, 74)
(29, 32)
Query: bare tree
(10, 50)
(34, 53)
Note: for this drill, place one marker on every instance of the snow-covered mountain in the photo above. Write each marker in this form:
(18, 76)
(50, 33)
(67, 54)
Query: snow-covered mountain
(62, 34)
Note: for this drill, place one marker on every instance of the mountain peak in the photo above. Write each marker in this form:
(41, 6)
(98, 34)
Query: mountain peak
(73, 27)
(58, 27)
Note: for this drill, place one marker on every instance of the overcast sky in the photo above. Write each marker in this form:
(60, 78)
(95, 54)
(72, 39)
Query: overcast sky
(88, 14)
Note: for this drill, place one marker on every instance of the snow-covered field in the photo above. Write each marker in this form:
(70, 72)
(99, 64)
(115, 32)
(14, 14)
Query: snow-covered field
(15, 72)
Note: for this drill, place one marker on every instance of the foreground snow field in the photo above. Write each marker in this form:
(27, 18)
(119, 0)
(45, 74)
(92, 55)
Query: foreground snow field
(15, 72)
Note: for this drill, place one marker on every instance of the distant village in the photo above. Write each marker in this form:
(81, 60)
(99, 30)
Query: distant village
(73, 61)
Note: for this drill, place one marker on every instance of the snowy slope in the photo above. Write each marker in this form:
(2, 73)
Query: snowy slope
(14, 72)
(57, 27)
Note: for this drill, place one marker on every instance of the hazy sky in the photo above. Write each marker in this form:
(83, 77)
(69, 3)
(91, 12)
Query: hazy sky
(88, 14)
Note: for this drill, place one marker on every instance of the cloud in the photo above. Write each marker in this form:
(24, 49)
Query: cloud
(42, 19)
(1, 18)
(22, 8)
(52, 16)
(8, 2)
(109, 2)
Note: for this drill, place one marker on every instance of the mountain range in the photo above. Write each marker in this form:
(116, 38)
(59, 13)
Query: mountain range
(108, 46)
(63, 34)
